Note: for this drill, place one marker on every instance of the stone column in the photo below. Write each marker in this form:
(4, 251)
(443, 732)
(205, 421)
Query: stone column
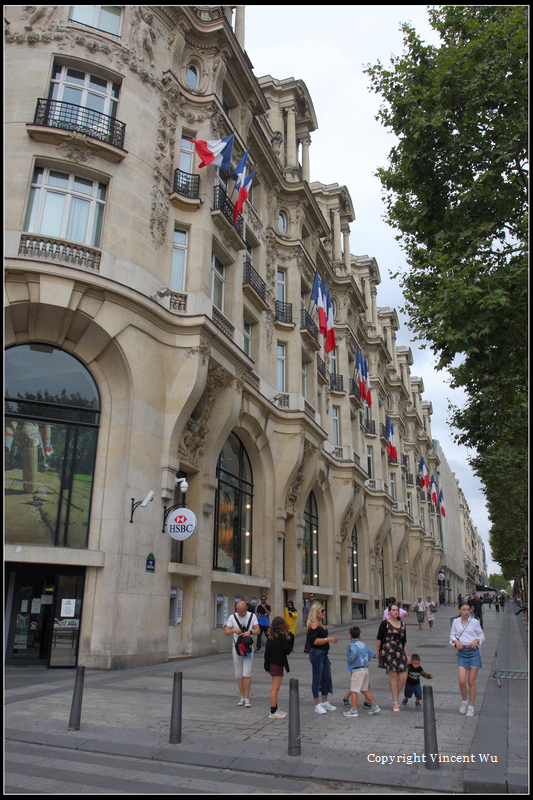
(374, 292)
(368, 300)
(306, 141)
(337, 249)
(239, 24)
(346, 237)
(292, 151)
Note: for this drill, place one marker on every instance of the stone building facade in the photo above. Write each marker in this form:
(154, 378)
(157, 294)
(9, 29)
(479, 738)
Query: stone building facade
(151, 338)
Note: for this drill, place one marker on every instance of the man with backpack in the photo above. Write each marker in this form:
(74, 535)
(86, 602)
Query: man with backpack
(243, 625)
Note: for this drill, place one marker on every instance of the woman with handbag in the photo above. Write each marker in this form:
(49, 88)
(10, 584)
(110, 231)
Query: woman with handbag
(392, 653)
(431, 607)
(466, 635)
(278, 647)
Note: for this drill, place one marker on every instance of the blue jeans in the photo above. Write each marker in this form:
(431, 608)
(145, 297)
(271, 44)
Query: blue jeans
(413, 689)
(321, 682)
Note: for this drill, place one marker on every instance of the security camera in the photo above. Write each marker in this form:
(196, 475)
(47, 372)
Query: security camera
(147, 499)
(183, 484)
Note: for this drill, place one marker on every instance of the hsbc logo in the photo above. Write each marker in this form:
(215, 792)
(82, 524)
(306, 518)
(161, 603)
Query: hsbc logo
(182, 524)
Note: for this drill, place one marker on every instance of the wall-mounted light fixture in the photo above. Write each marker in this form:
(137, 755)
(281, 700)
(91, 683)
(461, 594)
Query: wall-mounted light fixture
(143, 503)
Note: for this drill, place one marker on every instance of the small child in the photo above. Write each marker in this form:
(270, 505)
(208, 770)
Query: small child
(358, 656)
(412, 686)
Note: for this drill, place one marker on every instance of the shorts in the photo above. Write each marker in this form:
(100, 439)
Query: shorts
(359, 681)
(276, 671)
(469, 658)
(243, 666)
(411, 689)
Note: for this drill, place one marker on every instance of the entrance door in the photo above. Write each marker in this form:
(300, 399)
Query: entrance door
(45, 606)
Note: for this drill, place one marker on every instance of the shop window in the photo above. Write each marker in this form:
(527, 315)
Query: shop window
(234, 505)
(52, 410)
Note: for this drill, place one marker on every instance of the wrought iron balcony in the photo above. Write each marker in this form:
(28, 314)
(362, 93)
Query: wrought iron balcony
(186, 184)
(69, 117)
(283, 312)
(336, 382)
(253, 279)
(223, 203)
(321, 368)
(354, 389)
(309, 325)
(370, 426)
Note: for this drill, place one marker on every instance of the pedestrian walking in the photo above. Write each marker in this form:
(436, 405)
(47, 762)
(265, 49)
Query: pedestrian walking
(242, 624)
(477, 605)
(319, 642)
(277, 648)
(311, 600)
(290, 615)
(392, 652)
(420, 608)
(358, 656)
(466, 635)
(263, 612)
(502, 602)
(412, 684)
(431, 607)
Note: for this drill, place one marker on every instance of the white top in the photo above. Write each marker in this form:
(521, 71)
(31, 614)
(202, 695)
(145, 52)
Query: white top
(421, 605)
(232, 622)
(401, 613)
(472, 630)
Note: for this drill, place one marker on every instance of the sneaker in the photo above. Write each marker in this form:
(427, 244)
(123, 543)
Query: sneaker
(319, 708)
(353, 713)
(418, 704)
(241, 702)
(374, 709)
(277, 715)
(247, 703)
(470, 711)
(346, 702)
(328, 706)
(463, 707)
(405, 701)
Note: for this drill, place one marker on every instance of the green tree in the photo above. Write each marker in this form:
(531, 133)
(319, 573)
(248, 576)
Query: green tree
(456, 189)
(498, 582)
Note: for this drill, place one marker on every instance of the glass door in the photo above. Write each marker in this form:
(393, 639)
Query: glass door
(32, 618)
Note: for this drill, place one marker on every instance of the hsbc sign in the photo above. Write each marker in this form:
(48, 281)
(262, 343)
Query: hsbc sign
(181, 524)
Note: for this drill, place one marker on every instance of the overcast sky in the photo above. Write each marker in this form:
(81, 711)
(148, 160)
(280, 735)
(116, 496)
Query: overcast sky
(327, 47)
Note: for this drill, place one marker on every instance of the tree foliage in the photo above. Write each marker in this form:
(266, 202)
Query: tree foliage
(456, 189)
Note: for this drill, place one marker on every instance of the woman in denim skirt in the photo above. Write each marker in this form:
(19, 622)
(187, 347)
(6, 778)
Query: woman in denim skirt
(466, 635)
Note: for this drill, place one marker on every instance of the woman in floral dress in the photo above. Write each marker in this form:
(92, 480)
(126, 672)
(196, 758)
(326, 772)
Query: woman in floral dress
(392, 653)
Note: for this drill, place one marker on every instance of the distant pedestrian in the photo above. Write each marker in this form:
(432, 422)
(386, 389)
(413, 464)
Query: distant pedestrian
(392, 652)
(290, 615)
(490, 602)
(466, 635)
(420, 608)
(412, 685)
(502, 602)
(497, 604)
(319, 642)
(431, 607)
(277, 648)
(358, 656)
(311, 600)
(477, 605)
(263, 612)
(243, 625)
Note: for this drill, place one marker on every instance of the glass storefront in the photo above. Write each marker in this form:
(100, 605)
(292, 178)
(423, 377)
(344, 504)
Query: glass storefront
(43, 606)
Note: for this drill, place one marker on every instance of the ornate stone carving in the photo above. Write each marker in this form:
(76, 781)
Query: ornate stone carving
(192, 444)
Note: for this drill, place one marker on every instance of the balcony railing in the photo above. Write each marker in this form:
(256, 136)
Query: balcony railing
(370, 426)
(69, 117)
(70, 254)
(186, 184)
(253, 279)
(354, 389)
(309, 325)
(224, 204)
(336, 382)
(283, 312)
(321, 367)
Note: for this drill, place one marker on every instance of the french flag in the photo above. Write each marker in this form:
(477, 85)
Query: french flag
(322, 308)
(360, 377)
(316, 297)
(434, 491)
(215, 151)
(368, 390)
(441, 504)
(240, 169)
(244, 194)
(424, 477)
(330, 330)
(391, 447)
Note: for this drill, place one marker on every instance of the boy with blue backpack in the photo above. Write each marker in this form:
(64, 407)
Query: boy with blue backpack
(358, 656)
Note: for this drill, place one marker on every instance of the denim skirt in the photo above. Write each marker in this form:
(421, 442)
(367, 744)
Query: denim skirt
(469, 658)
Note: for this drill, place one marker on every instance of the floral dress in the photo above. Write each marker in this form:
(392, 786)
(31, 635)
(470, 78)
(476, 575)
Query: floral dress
(392, 654)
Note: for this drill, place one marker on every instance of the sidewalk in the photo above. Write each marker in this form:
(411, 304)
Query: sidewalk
(128, 713)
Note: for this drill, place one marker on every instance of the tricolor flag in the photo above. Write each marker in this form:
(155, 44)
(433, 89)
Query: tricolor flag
(240, 169)
(391, 447)
(316, 296)
(360, 377)
(330, 329)
(215, 151)
(322, 308)
(434, 491)
(368, 391)
(424, 478)
(244, 194)
(441, 504)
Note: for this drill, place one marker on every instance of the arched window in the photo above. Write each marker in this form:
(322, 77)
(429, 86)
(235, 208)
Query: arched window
(234, 502)
(310, 573)
(52, 410)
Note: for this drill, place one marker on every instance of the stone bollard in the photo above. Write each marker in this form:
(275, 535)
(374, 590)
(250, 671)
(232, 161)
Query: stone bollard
(295, 744)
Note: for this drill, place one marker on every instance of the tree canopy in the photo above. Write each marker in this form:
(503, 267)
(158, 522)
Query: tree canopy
(456, 189)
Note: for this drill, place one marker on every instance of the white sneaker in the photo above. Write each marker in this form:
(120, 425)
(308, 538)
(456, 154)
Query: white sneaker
(241, 702)
(463, 707)
(277, 715)
(470, 711)
(329, 707)
(247, 703)
(319, 709)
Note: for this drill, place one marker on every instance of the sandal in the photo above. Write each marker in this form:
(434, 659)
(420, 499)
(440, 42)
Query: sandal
(396, 707)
